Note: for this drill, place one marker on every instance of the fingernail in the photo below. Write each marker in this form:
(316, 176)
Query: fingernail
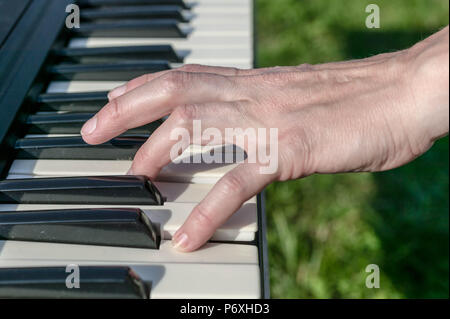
(118, 91)
(130, 172)
(180, 241)
(89, 126)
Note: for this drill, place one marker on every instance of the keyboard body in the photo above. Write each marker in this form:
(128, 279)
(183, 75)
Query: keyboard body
(51, 80)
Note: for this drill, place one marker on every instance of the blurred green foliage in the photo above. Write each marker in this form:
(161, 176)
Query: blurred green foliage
(325, 229)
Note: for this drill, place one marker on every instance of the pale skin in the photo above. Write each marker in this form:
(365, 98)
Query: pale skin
(366, 115)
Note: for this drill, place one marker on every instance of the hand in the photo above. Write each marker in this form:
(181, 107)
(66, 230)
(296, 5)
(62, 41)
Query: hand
(364, 115)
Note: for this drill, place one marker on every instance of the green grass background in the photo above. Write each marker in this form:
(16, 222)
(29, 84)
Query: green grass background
(324, 230)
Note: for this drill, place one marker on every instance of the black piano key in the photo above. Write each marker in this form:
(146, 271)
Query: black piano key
(98, 3)
(134, 12)
(123, 227)
(94, 190)
(96, 282)
(73, 147)
(72, 102)
(117, 54)
(71, 123)
(123, 71)
(158, 28)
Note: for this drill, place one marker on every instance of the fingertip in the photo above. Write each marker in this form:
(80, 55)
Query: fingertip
(88, 130)
(90, 140)
(180, 241)
(184, 240)
(89, 127)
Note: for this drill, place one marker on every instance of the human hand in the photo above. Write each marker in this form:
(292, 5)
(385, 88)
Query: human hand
(364, 115)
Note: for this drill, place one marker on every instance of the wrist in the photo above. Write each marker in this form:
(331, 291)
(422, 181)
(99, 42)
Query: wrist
(427, 78)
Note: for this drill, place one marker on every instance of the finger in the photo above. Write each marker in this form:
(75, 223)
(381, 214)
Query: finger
(176, 134)
(226, 197)
(196, 68)
(154, 100)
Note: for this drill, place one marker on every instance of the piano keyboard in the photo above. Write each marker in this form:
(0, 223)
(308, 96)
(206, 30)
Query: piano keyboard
(64, 202)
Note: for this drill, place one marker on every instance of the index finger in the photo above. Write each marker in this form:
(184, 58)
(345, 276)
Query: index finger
(154, 100)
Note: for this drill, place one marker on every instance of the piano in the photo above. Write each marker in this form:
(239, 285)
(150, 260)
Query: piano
(66, 205)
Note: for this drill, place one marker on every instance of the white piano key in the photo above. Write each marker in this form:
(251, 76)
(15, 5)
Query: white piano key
(82, 86)
(231, 51)
(199, 18)
(49, 135)
(207, 3)
(223, 9)
(227, 57)
(216, 253)
(92, 86)
(191, 150)
(173, 192)
(210, 3)
(214, 271)
(242, 225)
(206, 281)
(190, 43)
(192, 166)
(220, 12)
(181, 172)
(181, 281)
(227, 27)
(217, 53)
(217, 2)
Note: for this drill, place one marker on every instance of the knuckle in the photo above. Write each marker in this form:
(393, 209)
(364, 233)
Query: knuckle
(141, 156)
(185, 113)
(115, 110)
(232, 184)
(173, 81)
(148, 77)
(202, 217)
(142, 160)
(191, 67)
(136, 81)
(143, 79)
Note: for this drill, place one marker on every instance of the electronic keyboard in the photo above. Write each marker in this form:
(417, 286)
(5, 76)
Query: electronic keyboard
(66, 205)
